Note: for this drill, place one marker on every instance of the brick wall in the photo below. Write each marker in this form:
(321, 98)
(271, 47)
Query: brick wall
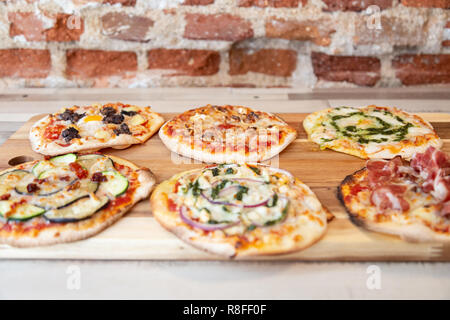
(248, 43)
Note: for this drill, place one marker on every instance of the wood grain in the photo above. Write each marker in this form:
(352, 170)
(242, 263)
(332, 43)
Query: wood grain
(139, 236)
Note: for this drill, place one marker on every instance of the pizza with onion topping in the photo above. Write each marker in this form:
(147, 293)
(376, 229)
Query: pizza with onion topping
(67, 198)
(371, 132)
(224, 134)
(238, 210)
(408, 199)
(94, 127)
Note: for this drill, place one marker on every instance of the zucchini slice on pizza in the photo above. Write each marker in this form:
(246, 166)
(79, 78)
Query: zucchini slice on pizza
(407, 199)
(227, 134)
(239, 210)
(94, 127)
(371, 132)
(67, 198)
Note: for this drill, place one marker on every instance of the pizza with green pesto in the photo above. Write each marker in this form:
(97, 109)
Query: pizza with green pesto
(371, 132)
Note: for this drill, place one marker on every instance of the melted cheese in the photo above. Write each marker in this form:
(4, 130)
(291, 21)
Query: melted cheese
(236, 193)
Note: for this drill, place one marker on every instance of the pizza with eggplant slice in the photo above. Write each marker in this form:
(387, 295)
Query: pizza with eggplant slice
(68, 197)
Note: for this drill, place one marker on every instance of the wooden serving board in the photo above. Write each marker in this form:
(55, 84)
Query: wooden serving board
(139, 236)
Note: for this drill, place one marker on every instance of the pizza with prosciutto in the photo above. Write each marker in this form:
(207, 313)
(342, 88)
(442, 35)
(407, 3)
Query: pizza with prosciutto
(67, 198)
(408, 199)
(94, 127)
(222, 134)
(238, 210)
(371, 132)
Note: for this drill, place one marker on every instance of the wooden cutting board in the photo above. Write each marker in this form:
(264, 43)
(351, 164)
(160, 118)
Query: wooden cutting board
(139, 236)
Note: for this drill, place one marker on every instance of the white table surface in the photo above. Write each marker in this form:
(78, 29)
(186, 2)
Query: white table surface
(54, 279)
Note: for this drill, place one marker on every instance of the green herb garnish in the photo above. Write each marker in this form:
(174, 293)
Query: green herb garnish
(281, 218)
(196, 188)
(229, 171)
(255, 170)
(216, 190)
(215, 172)
(242, 190)
(272, 202)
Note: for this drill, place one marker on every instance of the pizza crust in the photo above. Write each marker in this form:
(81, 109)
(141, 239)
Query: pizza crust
(226, 246)
(75, 231)
(121, 141)
(412, 232)
(383, 151)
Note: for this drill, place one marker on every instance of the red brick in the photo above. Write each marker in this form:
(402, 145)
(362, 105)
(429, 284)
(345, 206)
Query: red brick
(26, 24)
(271, 3)
(24, 63)
(67, 28)
(197, 2)
(129, 3)
(355, 5)
(445, 4)
(316, 31)
(185, 62)
(126, 27)
(97, 63)
(363, 71)
(217, 27)
(422, 68)
(275, 62)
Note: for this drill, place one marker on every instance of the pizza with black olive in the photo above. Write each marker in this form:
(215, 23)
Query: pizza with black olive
(67, 198)
(94, 127)
(227, 134)
(371, 132)
(238, 210)
(408, 199)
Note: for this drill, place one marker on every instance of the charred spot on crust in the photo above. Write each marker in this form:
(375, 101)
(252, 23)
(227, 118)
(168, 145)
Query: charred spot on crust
(70, 133)
(122, 129)
(354, 218)
(69, 115)
(252, 117)
(114, 118)
(221, 109)
(128, 113)
(108, 111)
